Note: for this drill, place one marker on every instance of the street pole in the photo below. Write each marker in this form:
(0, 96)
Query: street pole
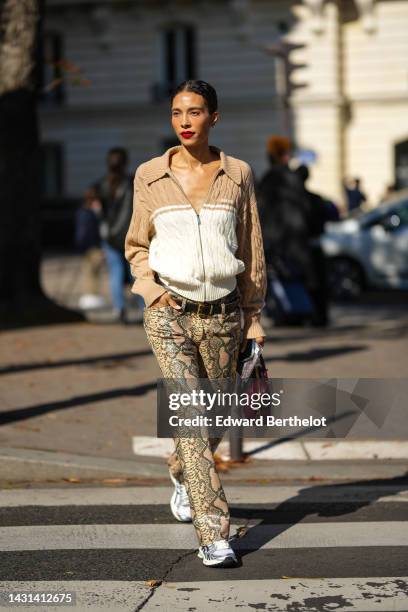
(235, 441)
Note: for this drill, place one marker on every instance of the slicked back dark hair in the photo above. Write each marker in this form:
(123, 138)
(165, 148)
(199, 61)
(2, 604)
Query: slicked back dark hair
(203, 89)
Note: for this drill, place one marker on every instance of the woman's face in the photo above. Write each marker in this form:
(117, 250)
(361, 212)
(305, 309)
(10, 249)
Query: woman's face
(190, 118)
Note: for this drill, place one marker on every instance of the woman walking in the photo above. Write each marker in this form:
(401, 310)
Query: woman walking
(195, 247)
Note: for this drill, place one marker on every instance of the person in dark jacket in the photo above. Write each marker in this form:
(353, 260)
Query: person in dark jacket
(355, 196)
(115, 194)
(283, 210)
(319, 212)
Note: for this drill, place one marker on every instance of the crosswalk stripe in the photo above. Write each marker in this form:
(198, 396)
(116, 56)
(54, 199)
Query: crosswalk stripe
(83, 496)
(312, 535)
(372, 594)
(183, 565)
(308, 512)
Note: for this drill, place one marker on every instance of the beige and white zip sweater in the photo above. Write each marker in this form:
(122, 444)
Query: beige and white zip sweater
(202, 256)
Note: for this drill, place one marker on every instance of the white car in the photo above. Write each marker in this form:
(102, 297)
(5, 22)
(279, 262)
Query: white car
(369, 250)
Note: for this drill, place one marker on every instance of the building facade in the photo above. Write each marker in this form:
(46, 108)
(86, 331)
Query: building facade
(340, 91)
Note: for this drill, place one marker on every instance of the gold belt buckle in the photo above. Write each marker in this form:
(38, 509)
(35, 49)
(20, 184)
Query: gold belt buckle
(202, 311)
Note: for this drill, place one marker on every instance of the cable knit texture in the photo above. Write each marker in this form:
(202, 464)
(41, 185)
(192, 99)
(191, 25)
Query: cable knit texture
(201, 255)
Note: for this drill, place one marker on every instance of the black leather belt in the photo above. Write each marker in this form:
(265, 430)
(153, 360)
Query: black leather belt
(205, 309)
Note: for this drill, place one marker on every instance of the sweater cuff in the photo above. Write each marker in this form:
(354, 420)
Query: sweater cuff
(253, 328)
(148, 289)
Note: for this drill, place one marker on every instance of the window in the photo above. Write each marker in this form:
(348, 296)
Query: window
(176, 59)
(51, 158)
(394, 218)
(51, 83)
(401, 165)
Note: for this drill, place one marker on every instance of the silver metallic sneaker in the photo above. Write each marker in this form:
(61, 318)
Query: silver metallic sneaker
(179, 503)
(217, 554)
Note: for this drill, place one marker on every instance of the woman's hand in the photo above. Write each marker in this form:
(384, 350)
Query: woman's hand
(260, 340)
(165, 300)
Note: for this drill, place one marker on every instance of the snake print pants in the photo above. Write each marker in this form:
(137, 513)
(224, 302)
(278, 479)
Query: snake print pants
(187, 346)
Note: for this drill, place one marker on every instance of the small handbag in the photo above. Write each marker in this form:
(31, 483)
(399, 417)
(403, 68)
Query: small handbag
(253, 379)
(256, 385)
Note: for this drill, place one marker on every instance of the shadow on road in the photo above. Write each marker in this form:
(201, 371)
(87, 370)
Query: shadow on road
(314, 354)
(93, 360)
(308, 502)
(27, 412)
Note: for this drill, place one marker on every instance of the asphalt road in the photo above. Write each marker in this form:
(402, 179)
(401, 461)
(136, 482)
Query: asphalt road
(318, 548)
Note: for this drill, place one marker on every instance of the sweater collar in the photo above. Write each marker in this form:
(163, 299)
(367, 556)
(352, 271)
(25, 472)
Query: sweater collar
(159, 166)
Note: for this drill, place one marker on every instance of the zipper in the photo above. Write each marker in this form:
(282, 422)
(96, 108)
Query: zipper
(201, 247)
(198, 214)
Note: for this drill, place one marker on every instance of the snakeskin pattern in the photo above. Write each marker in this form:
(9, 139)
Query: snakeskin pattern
(189, 347)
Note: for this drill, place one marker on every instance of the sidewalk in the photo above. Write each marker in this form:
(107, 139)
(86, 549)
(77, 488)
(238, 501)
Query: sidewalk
(25, 467)
(80, 394)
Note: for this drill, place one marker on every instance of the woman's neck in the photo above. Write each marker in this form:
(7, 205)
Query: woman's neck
(193, 158)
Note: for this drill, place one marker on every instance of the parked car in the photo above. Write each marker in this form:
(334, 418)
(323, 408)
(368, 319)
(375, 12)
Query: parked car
(369, 250)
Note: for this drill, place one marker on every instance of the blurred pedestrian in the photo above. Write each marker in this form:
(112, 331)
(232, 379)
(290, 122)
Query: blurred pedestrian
(115, 193)
(283, 209)
(355, 197)
(319, 212)
(88, 242)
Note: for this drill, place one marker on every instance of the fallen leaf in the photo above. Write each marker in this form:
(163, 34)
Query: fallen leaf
(72, 479)
(26, 427)
(302, 578)
(153, 583)
(223, 465)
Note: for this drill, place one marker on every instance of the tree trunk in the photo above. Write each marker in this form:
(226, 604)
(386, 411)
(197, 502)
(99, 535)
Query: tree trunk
(21, 298)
